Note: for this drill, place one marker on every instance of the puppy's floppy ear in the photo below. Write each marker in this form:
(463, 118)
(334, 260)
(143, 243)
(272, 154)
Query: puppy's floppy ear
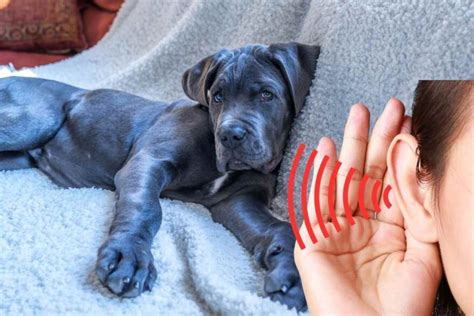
(297, 62)
(198, 79)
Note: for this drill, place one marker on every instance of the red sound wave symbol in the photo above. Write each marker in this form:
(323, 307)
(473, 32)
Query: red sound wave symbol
(331, 191)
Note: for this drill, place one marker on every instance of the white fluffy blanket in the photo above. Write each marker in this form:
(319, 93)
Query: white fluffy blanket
(371, 50)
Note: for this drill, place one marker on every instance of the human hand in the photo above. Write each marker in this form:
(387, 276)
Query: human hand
(374, 266)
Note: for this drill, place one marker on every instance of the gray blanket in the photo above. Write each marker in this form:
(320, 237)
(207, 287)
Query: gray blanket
(371, 50)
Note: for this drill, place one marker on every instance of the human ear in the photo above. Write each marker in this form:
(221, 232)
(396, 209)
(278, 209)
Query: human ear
(413, 198)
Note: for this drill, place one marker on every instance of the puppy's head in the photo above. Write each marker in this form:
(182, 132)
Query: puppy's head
(253, 93)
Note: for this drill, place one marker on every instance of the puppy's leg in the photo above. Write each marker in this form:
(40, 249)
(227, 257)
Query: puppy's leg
(31, 111)
(268, 239)
(125, 263)
(13, 160)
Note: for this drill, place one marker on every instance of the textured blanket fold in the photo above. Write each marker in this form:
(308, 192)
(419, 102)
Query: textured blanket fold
(371, 50)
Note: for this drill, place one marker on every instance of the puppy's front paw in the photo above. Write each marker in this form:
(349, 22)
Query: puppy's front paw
(282, 281)
(125, 266)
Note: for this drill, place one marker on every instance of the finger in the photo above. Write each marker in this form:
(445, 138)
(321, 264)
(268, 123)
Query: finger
(323, 167)
(352, 156)
(387, 126)
(390, 212)
(406, 126)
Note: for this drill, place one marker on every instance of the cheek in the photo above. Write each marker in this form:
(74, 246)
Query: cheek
(456, 237)
(281, 118)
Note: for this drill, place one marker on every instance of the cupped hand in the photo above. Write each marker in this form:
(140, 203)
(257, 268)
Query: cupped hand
(374, 266)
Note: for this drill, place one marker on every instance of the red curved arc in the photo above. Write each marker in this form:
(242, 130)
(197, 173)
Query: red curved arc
(386, 191)
(374, 195)
(304, 205)
(345, 196)
(291, 186)
(363, 210)
(317, 202)
(332, 189)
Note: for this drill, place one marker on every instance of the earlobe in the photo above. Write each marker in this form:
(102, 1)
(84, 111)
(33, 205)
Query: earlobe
(413, 198)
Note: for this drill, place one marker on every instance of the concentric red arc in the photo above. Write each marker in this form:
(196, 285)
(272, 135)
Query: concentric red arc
(374, 195)
(304, 202)
(317, 202)
(386, 191)
(291, 186)
(345, 197)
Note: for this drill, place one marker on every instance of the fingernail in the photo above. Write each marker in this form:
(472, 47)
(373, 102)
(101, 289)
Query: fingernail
(126, 280)
(284, 289)
(111, 266)
(392, 101)
(323, 140)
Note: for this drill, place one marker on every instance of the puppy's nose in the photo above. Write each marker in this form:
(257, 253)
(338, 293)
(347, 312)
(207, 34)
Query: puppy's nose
(232, 136)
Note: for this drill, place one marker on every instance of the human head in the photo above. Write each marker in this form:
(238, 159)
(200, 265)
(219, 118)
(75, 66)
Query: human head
(433, 178)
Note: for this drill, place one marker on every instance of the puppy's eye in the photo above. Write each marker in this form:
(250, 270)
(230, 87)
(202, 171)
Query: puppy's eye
(266, 95)
(218, 98)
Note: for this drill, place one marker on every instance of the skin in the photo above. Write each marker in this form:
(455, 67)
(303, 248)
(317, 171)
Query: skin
(454, 228)
(392, 265)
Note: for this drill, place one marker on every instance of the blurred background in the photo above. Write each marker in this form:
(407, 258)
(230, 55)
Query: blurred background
(34, 33)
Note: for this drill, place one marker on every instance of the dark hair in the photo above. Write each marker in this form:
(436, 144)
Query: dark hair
(440, 111)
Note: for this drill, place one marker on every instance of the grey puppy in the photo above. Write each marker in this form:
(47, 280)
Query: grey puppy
(222, 152)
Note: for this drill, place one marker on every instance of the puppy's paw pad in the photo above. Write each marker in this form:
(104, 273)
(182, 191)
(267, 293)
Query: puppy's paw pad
(283, 284)
(126, 267)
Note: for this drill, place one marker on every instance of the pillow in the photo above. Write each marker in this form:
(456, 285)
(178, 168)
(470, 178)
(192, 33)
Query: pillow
(41, 25)
(28, 59)
(96, 23)
(111, 5)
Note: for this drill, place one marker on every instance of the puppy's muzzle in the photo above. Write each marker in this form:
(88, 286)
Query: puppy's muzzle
(232, 135)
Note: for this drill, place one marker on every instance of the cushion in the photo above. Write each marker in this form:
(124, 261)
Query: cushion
(28, 59)
(111, 5)
(96, 23)
(41, 25)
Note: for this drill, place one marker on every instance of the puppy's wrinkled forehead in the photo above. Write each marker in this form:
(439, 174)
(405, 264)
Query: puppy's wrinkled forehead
(250, 67)
(294, 62)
